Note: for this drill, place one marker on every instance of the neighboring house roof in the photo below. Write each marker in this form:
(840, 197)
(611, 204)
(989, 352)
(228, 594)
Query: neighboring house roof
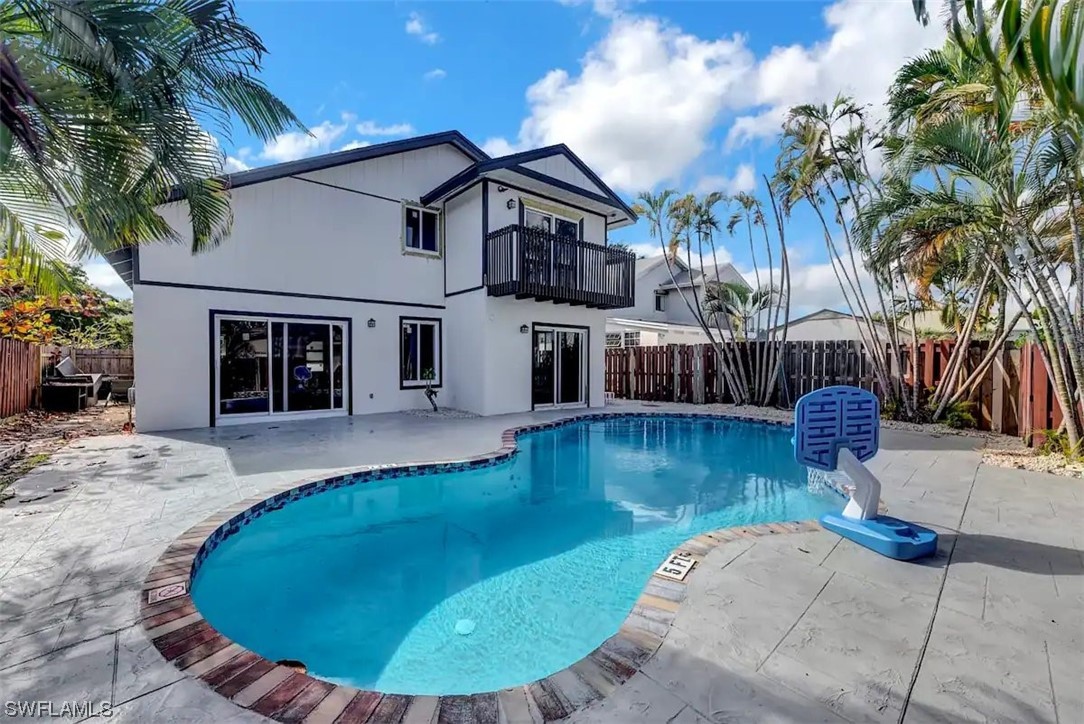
(646, 324)
(692, 277)
(821, 314)
(643, 266)
(341, 158)
(512, 162)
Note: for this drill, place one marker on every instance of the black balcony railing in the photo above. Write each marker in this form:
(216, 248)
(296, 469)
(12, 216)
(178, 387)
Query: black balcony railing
(532, 263)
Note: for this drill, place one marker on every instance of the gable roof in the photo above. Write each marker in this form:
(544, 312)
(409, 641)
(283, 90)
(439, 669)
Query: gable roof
(643, 266)
(825, 313)
(692, 277)
(341, 158)
(512, 162)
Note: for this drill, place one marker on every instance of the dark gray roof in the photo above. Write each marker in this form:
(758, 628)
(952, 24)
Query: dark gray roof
(726, 273)
(341, 158)
(512, 163)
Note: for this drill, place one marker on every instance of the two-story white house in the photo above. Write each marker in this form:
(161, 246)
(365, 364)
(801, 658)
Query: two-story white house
(660, 315)
(351, 280)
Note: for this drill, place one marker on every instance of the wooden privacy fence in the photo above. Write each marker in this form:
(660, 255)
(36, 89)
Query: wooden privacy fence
(113, 363)
(20, 376)
(690, 373)
(1014, 396)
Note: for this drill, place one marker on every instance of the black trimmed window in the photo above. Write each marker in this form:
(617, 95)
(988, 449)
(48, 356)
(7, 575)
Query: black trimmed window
(420, 353)
(632, 339)
(613, 339)
(660, 301)
(421, 230)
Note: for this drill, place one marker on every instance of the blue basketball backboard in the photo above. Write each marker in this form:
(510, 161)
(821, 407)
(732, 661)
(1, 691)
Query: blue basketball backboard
(832, 418)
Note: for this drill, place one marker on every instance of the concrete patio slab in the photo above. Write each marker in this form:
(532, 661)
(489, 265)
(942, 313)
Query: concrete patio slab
(791, 628)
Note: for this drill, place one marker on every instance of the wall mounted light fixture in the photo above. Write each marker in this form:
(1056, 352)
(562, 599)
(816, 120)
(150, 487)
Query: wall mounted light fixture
(501, 189)
(524, 329)
(511, 203)
(372, 322)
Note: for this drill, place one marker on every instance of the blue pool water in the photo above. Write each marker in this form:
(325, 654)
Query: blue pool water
(545, 553)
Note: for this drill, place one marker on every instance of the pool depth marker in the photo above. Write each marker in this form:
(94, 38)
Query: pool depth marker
(840, 428)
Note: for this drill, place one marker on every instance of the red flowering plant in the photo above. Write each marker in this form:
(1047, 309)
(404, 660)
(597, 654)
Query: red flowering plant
(28, 316)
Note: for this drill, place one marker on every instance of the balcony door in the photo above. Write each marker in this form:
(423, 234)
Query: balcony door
(549, 262)
(558, 367)
(278, 366)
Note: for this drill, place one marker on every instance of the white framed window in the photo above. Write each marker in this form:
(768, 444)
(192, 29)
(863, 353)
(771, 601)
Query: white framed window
(421, 230)
(632, 339)
(613, 339)
(555, 224)
(660, 301)
(419, 352)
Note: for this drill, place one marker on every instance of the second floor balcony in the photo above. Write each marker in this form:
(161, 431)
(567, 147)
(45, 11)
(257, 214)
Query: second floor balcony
(533, 263)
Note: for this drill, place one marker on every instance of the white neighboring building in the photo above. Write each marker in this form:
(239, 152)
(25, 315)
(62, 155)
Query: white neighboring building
(350, 278)
(660, 315)
(828, 325)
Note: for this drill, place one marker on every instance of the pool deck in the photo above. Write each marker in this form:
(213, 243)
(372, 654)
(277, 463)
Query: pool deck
(796, 627)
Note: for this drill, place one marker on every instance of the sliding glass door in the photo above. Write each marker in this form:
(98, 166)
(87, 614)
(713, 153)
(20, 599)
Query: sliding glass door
(279, 366)
(559, 367)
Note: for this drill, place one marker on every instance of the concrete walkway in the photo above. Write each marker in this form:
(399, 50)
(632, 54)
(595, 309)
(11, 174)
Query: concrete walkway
(793, 628)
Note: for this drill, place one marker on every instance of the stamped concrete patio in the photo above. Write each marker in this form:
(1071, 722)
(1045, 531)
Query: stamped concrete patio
(799, 627)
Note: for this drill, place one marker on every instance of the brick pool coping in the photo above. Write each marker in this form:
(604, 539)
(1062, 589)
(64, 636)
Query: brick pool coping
(184, 638)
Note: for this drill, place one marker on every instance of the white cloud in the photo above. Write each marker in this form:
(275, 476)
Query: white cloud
(372, 128)
(101, 275)
(643, 104)
(355, 144)
(645, 100)
(743, 181)
(234, 164)
(813, 286)
(416, 26)
(867, 44)
(497, 147)
(297, 144)
(435, 74)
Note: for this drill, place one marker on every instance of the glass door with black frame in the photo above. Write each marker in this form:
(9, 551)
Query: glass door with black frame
(244, 377)
(570, 349)
(543, 368)
(309, 366)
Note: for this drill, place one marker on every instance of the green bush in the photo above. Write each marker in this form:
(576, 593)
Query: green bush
(960, 415)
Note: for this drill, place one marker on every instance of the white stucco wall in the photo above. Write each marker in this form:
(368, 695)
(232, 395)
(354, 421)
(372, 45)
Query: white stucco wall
(467, 365)
(812, 330)
(463, 240)
(561, 168)
(173, 351)
(507, 381)
(594, 225)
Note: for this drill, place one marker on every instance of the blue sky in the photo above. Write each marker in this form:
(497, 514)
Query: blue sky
(650, 94)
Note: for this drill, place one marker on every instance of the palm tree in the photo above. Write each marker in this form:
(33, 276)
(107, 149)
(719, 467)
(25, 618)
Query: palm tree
(1041, 40)
(105, 110)
(655, 208)
(824, 162)
(742, 305)
(1004, 216)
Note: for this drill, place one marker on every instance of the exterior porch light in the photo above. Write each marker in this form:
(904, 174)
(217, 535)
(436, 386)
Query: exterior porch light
(511, 203)
(524, 329)
(372, 322)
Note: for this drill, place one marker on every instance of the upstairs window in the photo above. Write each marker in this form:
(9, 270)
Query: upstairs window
(551, 223)
(421, 231)
(419, 352)
(660, 302)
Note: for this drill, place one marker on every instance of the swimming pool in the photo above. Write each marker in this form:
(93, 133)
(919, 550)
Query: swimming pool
(541, 556)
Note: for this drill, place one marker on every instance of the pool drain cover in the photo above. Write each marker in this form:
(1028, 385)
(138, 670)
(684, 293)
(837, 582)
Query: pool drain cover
(464, 627)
